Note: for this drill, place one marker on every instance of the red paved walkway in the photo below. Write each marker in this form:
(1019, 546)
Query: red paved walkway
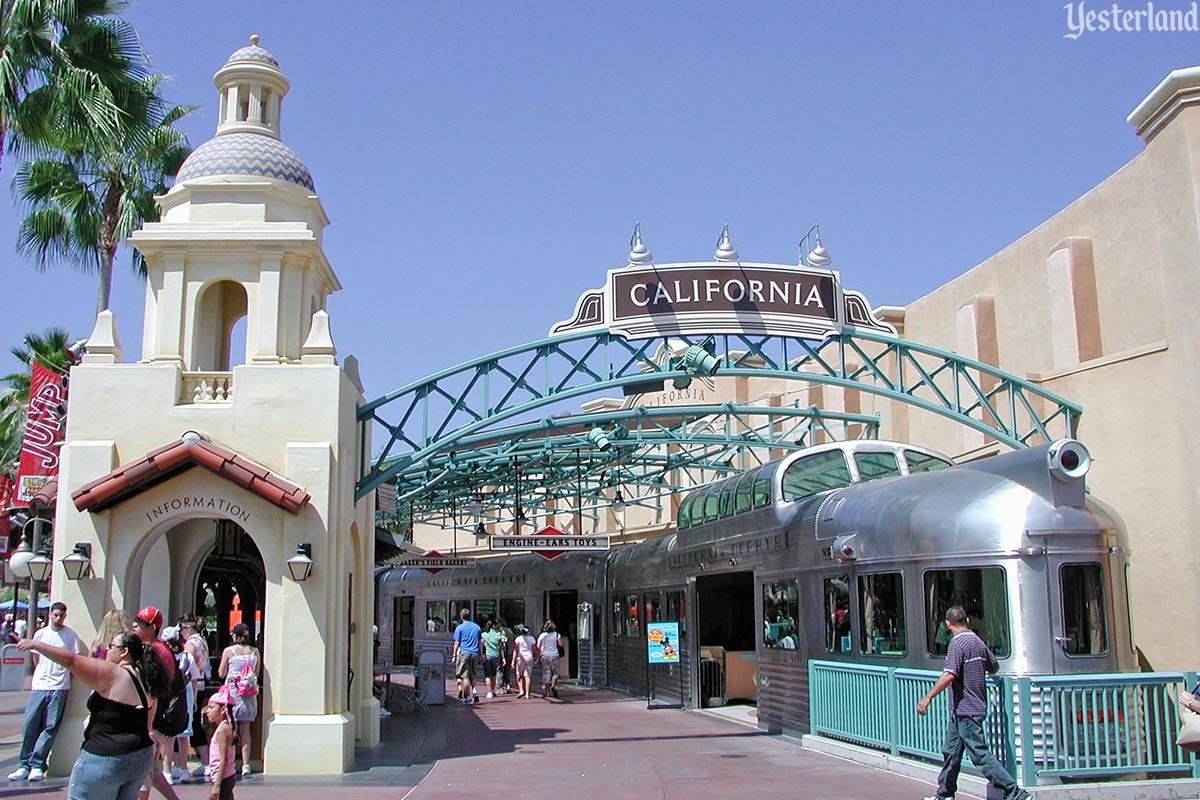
(589, 744)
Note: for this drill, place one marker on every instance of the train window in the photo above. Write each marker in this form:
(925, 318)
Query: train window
(512, 611)
(881, 609)
(837, 614)
(633, 623)
(618, 622)
(742, 499)
(818, 472)
(1084, 624)
(725, 504)
(454, 608)
(436, 617)
(982, 594)
(484, 610)
(674, 612)
(876, 465)
(654, 607)
(762, 490)
(684, 518)
(781, 608)
(922, 462)
(711, 496)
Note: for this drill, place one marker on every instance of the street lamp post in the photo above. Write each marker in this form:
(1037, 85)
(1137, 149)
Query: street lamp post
(32, 562)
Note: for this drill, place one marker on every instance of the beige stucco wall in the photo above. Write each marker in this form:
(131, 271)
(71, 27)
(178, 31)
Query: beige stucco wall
(1142, 226)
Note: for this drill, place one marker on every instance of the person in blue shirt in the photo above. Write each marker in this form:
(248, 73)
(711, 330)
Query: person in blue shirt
(466, 657)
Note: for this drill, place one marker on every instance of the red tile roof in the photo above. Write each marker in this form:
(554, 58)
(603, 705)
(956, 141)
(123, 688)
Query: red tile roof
(170, 460)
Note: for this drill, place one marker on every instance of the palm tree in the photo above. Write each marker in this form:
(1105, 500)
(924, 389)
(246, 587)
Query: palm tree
(58, 62)
(48, 348)
(85, 201)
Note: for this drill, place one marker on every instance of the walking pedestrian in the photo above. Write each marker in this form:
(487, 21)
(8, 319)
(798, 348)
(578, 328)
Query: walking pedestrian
(240, 665)
(194, 643)
(523, 659)
(493, 657)
(146, 626)
(175, 754)
(968, 661)
(506, 663)
(465, 653)
(549, 648)
(48, 698)
(222, 752)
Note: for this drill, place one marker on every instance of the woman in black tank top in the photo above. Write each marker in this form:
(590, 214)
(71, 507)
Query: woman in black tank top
(117, 750)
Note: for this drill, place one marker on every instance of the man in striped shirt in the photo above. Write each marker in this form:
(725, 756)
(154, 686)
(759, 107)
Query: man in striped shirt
(968, 662)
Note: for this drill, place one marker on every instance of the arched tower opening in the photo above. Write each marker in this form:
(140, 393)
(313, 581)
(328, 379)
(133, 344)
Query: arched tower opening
(220, 341)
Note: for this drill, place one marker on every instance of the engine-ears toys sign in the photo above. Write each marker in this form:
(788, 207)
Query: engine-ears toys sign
(719, 297)
(550, 543)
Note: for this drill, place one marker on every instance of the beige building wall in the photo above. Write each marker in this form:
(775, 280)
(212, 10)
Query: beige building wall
(1097, 304)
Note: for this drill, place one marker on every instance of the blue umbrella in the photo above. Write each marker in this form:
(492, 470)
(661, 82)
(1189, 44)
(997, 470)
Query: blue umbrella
(7, 605)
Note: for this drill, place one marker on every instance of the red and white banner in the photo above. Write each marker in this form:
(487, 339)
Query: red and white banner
(6, 492)
(43, 433)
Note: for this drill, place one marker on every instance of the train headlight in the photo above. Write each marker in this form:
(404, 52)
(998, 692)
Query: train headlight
(843, 548)
(1068, 459)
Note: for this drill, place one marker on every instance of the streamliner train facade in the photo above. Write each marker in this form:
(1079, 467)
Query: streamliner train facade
(846, 552)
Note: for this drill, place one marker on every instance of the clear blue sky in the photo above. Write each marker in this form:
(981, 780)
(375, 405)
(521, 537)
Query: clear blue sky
(484, 163)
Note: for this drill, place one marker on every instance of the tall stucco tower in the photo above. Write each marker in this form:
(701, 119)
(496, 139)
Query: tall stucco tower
(194, 483)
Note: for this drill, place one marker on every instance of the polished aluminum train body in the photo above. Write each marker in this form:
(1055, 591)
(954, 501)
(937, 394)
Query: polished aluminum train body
(791, 562)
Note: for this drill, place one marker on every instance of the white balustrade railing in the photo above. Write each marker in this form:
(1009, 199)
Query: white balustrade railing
(207, 387)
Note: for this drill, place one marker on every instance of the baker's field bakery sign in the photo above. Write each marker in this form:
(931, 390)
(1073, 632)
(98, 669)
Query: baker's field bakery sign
(721, 297)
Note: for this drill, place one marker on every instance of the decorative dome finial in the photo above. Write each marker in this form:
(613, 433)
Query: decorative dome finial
(254, 39)
(725, 250)
(638, 252)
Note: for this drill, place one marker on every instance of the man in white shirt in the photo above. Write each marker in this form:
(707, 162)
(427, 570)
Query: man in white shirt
(44, 709)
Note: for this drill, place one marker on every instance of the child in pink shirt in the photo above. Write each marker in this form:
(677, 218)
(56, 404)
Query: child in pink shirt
(221, 768)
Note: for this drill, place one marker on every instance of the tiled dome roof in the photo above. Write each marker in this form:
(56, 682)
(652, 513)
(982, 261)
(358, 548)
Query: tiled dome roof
(246, 154)
(252, 53)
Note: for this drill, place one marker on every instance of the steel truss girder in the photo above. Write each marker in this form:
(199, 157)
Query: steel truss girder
(468, 404)
(557, 464)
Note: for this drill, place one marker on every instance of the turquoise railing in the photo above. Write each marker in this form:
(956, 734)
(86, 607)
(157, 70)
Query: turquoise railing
(1102, 726)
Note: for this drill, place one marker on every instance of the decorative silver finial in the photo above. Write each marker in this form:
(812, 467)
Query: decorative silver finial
(638, 253)
(814, 256)
(254, 40)
(725, 251)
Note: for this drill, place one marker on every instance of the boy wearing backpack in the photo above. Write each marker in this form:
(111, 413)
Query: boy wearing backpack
(173, 720)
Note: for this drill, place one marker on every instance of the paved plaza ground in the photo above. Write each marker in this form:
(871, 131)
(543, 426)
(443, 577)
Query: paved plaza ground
(589, 743)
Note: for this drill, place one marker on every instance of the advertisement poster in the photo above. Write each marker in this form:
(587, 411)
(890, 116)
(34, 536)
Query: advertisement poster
(43, 424)
(662, 642)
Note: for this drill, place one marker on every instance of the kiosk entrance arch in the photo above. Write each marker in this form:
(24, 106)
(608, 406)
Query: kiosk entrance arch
(512, 422)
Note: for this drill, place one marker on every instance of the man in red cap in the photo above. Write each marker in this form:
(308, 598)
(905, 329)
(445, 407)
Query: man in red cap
(146, 625)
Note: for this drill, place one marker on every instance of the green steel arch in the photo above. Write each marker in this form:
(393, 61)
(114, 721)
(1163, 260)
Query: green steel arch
(492, 422)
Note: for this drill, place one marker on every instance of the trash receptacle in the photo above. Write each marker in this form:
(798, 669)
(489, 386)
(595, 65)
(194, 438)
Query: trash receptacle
(12, 668)
(431, 675)
(712, 677)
